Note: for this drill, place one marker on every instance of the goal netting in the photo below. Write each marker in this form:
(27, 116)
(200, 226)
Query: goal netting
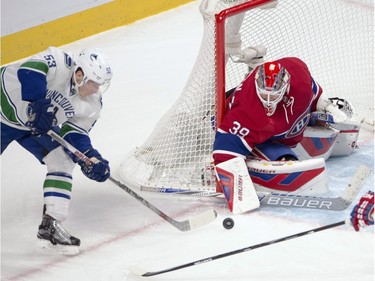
(334, 38)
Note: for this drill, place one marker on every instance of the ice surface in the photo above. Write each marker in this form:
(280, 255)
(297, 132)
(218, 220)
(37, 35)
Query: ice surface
(152, 60)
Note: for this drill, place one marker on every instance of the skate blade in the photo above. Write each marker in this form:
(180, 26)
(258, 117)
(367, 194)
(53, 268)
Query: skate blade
(60, 249)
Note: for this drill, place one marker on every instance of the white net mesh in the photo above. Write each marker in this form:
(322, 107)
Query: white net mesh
(334, 38)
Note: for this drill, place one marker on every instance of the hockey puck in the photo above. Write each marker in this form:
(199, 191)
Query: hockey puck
(228, 223)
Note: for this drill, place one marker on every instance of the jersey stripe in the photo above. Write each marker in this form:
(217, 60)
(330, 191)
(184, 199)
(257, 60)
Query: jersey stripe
(37, 66)
(315, 87)
(8, 109)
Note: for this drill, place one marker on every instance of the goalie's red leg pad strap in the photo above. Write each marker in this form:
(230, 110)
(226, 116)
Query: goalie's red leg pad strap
(317, 146)
(285, 182)
(226, 182)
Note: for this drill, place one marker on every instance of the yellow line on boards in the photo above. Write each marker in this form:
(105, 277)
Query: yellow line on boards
(80, 25)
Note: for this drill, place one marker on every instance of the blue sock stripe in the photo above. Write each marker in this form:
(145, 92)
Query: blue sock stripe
(56, 194)
(58, 174)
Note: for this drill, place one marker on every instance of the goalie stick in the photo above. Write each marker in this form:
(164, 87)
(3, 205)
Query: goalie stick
(141, 272)
(186, 225)
(339, 203)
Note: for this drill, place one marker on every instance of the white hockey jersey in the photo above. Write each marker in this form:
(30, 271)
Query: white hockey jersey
(78, 112)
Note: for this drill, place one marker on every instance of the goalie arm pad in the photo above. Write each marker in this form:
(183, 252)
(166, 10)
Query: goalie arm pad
(227, 146)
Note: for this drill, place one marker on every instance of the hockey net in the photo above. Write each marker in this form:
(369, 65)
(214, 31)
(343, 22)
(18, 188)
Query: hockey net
(334, 38)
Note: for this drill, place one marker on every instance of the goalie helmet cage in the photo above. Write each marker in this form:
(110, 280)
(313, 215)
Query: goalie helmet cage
(334, 38)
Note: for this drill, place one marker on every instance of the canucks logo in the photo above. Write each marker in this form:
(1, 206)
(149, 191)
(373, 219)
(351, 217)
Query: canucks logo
(94, 57)
(68, 60)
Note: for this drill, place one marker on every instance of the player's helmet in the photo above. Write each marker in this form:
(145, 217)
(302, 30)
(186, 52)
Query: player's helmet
(95, 66)
(271, 81)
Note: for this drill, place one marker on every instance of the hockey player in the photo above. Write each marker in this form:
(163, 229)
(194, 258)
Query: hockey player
(266, 116)
(362, 214)
(53, 91)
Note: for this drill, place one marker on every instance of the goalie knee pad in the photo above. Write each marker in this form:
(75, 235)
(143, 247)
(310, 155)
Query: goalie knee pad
(274, 151)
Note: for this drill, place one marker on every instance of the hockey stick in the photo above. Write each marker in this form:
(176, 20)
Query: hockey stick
(141, 272)
(185, 225)
(339, 203)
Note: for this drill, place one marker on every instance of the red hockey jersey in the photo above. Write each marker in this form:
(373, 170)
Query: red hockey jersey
(246, 118)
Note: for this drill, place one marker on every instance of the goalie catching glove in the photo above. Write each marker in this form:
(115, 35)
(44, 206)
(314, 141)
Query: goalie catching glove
(363, 213)
(98, 170)
(334, 109)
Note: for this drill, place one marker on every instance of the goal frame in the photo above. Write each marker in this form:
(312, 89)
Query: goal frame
(220, 18)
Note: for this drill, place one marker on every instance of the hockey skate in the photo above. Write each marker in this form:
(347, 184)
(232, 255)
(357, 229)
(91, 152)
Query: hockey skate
(52, 235)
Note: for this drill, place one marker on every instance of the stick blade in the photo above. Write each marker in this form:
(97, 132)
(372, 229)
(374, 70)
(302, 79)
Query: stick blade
(203, 219)
(356, 183)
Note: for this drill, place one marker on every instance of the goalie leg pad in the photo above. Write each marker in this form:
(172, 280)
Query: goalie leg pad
(307, 177)
(345, 143)
(237, 186)
(317, 142)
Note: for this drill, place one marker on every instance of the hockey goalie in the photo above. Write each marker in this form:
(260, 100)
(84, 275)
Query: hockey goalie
(278, 129)
(260, 113)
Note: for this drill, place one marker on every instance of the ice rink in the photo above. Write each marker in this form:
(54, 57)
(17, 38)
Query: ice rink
(152, 60)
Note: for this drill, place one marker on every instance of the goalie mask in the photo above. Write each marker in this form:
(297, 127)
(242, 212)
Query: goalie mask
(271, 81)
(95, 67)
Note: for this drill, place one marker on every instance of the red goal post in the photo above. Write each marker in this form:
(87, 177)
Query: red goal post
(334, 38)
(221, 18)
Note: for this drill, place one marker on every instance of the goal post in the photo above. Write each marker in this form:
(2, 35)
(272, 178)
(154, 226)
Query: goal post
(334, 38)
(221, 19)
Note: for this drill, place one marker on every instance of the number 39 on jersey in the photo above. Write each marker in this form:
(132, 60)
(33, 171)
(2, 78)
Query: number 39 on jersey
(238, 130)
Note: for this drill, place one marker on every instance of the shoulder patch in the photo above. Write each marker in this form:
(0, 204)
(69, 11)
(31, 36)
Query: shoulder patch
(68, 60)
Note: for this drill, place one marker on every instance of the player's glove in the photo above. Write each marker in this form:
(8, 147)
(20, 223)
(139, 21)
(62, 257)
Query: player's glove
(98, 170)
(362, 214)
(41, 117)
